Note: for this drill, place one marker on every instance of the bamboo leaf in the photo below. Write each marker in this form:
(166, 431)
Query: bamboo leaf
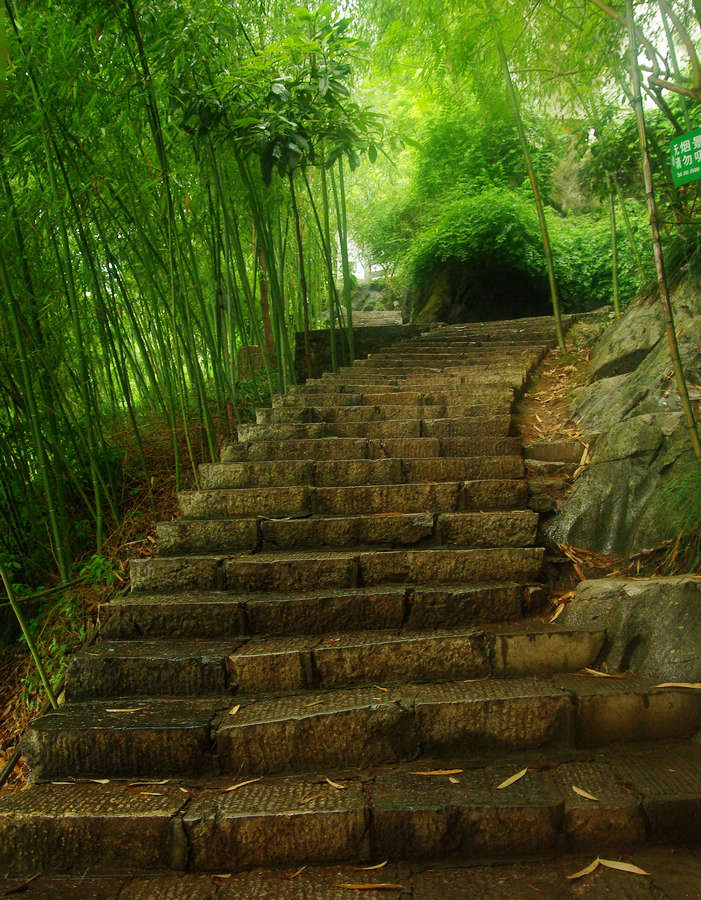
(685, 685)
(623, 866)
(583, 793)
(235, 787)
(512, 780)
(296, 873)
(438, 772)
(587, 870)
(369, 868)
(335, 784)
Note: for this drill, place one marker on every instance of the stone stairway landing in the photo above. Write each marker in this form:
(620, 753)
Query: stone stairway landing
(333, 657)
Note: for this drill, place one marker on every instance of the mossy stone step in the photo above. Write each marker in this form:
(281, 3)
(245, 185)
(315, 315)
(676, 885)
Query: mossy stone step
(384, 412)
(307, 500)
(512, 528)
(645, 796)
(360, 726)
(249, 667)
(338, 473)
(374, 448)
(380, 428)
(217, 615)
(305, 571)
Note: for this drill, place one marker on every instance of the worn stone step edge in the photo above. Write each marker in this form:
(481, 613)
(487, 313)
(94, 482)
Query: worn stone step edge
(480, 494)
(379, 428)
(315, 413)
(356, 472)
(151, 737)
(216, 615)
(675, 872)
(369, 448)
(310, 396)
(304, 571)
(512, 528)
(285, 665)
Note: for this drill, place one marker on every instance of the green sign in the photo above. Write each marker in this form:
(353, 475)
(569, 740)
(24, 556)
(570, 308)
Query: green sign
(685, 156)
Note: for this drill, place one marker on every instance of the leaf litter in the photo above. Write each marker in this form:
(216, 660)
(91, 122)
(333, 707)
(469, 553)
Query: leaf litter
(512, 780)
(617, 864)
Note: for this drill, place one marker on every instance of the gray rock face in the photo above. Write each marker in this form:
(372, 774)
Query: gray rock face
(653, 625)
(643, 485)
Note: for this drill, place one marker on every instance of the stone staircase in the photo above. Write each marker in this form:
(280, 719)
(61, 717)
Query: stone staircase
(334, 660)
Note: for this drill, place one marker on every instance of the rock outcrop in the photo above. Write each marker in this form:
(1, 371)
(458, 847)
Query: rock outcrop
(643, 485)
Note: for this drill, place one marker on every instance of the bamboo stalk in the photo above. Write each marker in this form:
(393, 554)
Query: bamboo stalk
(656, 243)
(28, 638)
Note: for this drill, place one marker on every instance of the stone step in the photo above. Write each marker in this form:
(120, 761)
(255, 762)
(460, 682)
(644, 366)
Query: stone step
(370, 382)
(347, 727)
(513, 528)
(375, 448)
(305, 571)
(348, 472)
(283, 665)
(306, 500)
(419, 359)
(217, 615)
(455, 375)
(363, 817)
(366, 726)
(312, 396)
(366, 413)
(497, 425)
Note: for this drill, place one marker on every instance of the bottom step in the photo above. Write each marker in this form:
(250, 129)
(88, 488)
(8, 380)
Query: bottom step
(675, 874)
(400, 812)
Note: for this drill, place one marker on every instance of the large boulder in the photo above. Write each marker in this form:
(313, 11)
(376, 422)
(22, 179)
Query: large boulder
(643, 485)
(653, 625)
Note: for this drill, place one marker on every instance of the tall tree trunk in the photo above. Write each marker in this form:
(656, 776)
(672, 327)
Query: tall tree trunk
(516, 108)
(656, 243)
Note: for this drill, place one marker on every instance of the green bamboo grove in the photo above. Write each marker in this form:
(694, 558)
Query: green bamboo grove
(171, 190)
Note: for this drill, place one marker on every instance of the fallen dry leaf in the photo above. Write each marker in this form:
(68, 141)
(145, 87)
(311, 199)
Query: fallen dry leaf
(234, 709)
(150, 794)
(314, 702)
(226, 875)
(604, 674)
(369, 868)
(382, 886)
(582, 793)
(454, 780)
(295, 874)
(98, 780)
(128, 710)
(433, 772)
(689, 685)
(509, 781)
(558, 612)
(587, 870)
(335, 784)
(235, 787)
(622, 866)
(380, 688)
(308, 797)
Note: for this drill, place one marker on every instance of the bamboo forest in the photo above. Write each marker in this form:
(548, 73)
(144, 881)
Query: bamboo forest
(191, 189)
